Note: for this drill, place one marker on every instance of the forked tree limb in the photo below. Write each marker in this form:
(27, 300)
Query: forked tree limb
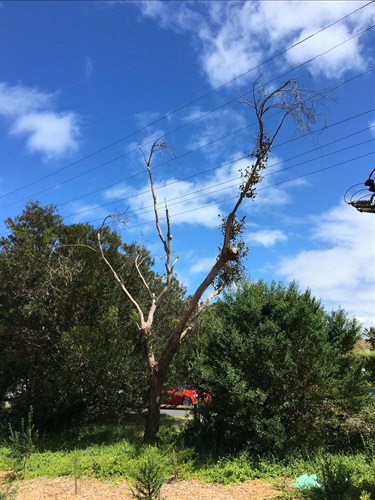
(292, 100)
(119, 281)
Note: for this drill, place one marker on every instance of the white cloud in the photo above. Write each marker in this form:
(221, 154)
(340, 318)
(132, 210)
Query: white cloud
(202, 265)
(199, 201)
(332, 64)
(18, 100)
(182, 207)
(341, 268)
(31, 115)
(266, 238)
(49, 133)
(233, 37)
(185, 17)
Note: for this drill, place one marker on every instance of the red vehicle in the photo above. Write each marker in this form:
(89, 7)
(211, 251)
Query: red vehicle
(184, 397)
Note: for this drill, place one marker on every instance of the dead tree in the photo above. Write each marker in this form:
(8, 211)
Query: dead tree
(290, 100)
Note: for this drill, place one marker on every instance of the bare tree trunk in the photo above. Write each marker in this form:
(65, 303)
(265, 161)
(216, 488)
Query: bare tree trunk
(25, 465)
(157, 375)
(158, 370)
(153, 413)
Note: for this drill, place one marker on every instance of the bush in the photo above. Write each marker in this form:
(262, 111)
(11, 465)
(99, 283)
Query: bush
(336, 480)
(229, 470)
(280, 372)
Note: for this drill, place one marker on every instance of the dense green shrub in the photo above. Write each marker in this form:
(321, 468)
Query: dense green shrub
(280, 372)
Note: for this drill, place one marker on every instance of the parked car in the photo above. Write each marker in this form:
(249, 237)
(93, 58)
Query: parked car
(184, 397)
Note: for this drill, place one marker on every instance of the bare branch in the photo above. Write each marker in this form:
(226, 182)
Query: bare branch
(157, 145)
(137, 267)
(119, 280)
(74, 245)
(160, 146)
(116, 218)
(199, 311)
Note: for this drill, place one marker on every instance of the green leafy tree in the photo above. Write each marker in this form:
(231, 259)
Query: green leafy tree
(69, 345)
(279, 369)
(103, 365)
(28, 337)
(370, 337)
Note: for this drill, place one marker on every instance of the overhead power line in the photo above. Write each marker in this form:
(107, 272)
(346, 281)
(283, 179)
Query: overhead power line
(188, 196)
(191, 196)
(345, 120)
(142, 172)
(230, 180)
(216, 167)
(260, 189)
(104, 148)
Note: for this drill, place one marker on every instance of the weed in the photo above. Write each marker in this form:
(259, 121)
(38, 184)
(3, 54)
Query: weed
(290, 493)
(229, 470)
(365, 496)
(8, 491)
(171, 435)
(96, 468)
(21, 443)
(343, 478)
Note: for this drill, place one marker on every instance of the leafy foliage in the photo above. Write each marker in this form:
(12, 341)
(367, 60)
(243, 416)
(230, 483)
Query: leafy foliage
(370, 337)
(279, 370)
(336, 479)
(150, 476)
(82, 358)
(22, 443)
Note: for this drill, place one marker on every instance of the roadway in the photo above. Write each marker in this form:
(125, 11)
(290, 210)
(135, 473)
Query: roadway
(177, 411)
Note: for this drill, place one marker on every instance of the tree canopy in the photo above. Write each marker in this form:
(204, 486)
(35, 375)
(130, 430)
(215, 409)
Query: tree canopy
(69, 344)
(279, 368)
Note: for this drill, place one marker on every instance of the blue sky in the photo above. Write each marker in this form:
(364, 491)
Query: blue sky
(84, 83)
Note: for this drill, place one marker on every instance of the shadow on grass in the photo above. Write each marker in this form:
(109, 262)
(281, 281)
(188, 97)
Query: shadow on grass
(96, 434)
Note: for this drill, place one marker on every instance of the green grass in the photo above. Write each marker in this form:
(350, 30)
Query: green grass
(101, 451)
(115, 452)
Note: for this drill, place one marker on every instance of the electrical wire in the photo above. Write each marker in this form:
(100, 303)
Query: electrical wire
(345, 120)
(161, 218)
(260, 189)
(184, 179)
(188, 196)
(142, 172)
(190, 103)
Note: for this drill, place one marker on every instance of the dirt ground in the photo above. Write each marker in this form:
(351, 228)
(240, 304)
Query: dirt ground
(88, 489)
